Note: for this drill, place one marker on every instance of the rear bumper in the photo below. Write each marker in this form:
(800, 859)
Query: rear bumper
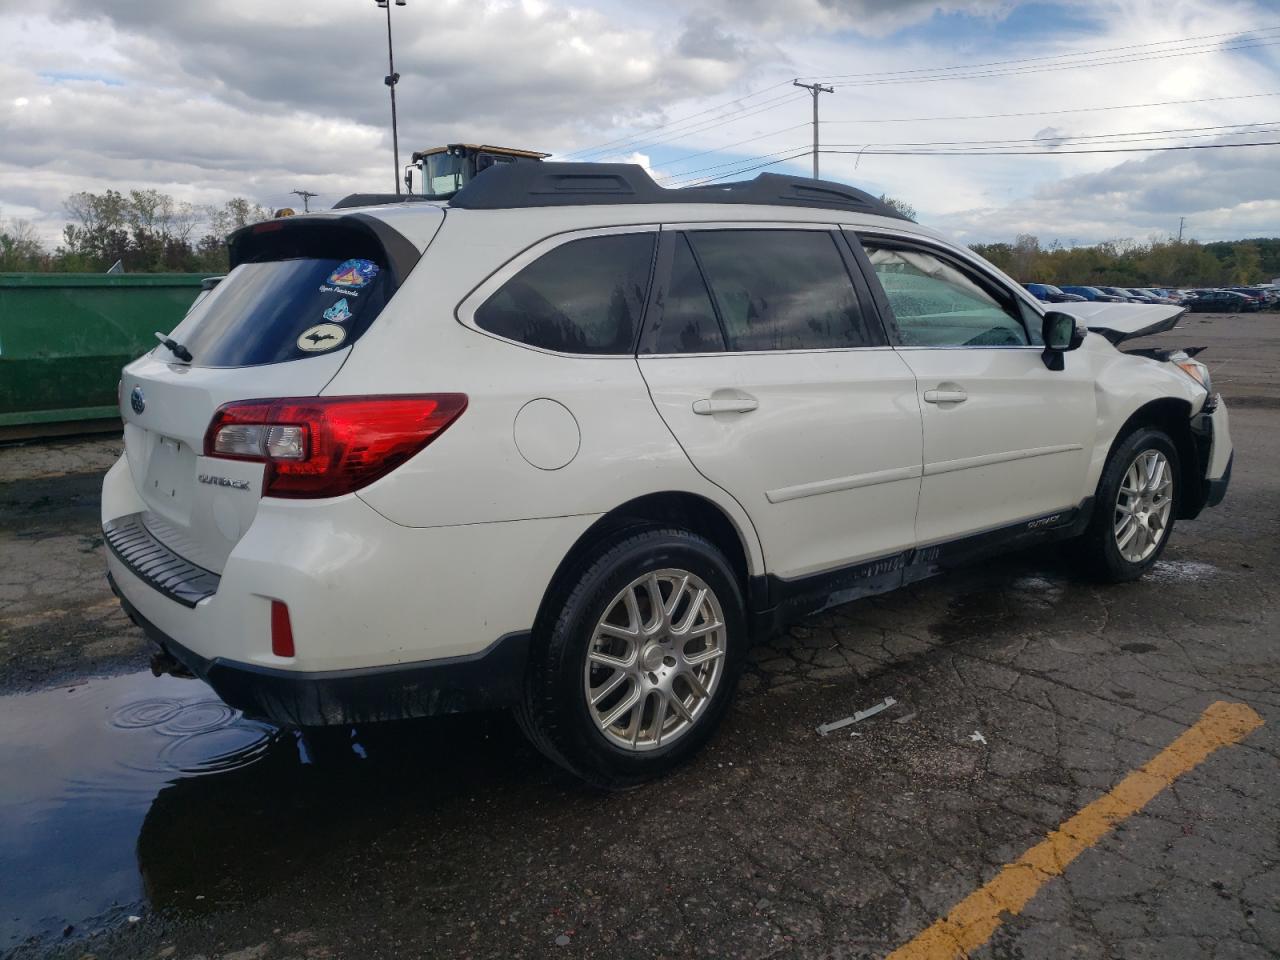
(490, 679)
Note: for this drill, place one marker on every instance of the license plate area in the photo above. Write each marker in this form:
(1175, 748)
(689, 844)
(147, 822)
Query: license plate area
(170, 471)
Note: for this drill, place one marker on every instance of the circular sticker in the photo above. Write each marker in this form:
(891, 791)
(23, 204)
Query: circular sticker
(323, 336)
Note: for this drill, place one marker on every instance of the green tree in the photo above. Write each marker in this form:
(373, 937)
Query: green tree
(20, 247)
(899, 206)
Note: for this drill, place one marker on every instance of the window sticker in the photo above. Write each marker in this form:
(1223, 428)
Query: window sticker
(321, 337)
(339, 312)
(353, 274)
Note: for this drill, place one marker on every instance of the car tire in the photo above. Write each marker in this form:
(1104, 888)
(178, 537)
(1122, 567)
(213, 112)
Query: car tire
(1133, 517)
(608, 643)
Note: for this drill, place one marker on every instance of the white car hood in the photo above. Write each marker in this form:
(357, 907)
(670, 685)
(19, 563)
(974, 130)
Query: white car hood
(1124, 321)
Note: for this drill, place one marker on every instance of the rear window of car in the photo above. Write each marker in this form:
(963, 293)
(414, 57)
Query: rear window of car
(278, 310)
(782, 290)
(585, 296)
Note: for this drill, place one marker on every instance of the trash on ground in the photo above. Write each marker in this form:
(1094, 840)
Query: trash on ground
(907, 719)
(977, 737)
(825, 728)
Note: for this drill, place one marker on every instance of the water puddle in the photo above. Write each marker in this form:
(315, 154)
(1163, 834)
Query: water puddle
(128, 793)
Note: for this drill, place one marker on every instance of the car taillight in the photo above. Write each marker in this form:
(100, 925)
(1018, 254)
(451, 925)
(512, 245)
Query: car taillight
(327, 446)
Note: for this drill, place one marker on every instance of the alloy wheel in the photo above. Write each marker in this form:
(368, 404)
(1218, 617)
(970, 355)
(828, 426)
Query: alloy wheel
(1143, 506)
(655, 659)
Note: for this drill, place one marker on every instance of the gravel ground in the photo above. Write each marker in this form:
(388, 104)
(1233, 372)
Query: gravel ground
(452, 838)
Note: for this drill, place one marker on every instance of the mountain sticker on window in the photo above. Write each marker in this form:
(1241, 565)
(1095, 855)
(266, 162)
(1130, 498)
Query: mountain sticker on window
(339, 312)
(353, 274)
(321, 337)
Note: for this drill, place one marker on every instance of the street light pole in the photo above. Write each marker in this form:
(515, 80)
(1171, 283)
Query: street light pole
(391, 79)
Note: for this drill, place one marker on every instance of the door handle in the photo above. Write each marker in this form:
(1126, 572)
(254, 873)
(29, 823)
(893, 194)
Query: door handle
(725, 401)
(945, 396)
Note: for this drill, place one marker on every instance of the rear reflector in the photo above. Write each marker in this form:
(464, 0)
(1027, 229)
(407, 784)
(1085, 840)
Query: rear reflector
(281, 630)
(328, 446)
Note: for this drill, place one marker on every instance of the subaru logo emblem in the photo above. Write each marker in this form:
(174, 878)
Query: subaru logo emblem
(138, 400)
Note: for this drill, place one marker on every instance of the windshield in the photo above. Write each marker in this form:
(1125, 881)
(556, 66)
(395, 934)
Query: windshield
(280, 310)
(443, 173)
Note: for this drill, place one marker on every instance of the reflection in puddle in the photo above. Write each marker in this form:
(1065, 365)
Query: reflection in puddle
(132, 790)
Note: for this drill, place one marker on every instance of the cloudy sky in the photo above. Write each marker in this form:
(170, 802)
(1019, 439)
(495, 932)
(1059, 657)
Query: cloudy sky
(219, 98)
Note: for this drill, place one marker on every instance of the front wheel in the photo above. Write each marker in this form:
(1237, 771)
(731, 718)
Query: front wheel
(1134, 509)
(639, 667)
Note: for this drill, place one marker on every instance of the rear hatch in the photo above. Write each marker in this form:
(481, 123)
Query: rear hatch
(300, 292)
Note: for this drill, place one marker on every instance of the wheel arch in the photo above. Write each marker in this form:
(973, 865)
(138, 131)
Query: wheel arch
(689, 511)
(1172, 415)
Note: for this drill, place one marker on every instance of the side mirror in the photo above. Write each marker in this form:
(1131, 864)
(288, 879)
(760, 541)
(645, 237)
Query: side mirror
(1061, 333)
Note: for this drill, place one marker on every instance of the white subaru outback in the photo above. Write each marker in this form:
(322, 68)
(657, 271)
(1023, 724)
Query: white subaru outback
(568, 442)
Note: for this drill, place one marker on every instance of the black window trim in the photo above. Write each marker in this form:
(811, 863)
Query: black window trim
(866, 294)
(465, 311)
(854, 237)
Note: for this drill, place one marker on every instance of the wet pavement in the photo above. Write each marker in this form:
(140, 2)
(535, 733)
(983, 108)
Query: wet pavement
(124, 795)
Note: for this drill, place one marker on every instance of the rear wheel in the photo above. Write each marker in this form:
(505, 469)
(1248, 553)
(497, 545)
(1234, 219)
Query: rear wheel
(1134, 509)
(640, 665)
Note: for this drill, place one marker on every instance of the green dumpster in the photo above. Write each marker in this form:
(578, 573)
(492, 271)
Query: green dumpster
(65, 336)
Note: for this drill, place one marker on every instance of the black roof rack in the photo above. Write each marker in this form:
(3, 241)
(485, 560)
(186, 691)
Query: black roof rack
(544, 184)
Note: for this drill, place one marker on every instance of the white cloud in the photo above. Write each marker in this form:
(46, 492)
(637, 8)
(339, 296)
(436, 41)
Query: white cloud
(222, 98)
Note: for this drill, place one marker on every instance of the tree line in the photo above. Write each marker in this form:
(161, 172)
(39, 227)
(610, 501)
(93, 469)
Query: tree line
(146, 231)
(1129, 263)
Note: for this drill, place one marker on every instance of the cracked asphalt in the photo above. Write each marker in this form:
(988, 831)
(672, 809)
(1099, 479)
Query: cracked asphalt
(452, 838)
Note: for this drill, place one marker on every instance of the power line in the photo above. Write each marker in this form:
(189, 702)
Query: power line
(729, 163)
(758, 166)
(1239, 35)
(669, 123)
(631, 141)
(1053, 68)
(702, 127)
(1051, 153)
(978, 153)
(1186, 132)
(1047, 113)
(1067, 138)
(736, 143)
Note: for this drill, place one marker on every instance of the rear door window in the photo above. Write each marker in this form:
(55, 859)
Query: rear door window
(782, 290)
(682, 317)
(585, 296)
(277, 310)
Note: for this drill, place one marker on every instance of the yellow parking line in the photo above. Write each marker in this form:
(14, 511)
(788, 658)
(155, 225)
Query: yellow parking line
(974, 919)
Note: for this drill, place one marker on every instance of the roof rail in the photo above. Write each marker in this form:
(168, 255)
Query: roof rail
(518, 185)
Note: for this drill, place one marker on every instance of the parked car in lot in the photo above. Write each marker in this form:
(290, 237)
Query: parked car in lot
(1222, 301)
(1048, 293)
(1123, 295)
(1095, 295)
(1255, 294)
(569, 442)
(1151, 296)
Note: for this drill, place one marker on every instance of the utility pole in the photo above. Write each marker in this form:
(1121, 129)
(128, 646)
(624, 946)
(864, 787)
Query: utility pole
(391, 79)
(814, 89)
(305, 195)
(1181, 221)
